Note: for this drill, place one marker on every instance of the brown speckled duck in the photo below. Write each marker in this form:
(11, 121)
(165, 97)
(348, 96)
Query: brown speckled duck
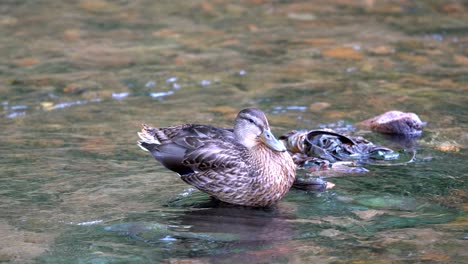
(246, 165)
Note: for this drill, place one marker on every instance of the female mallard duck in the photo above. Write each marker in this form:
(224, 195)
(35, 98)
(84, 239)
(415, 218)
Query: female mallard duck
(246, 165)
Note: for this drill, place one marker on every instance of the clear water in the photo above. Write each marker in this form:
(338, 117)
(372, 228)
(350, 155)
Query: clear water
(79, 77)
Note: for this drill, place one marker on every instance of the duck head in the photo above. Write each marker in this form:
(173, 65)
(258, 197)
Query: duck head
(252, 128)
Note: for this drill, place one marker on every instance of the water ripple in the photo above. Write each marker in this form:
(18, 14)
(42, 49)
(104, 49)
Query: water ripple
(161, 94)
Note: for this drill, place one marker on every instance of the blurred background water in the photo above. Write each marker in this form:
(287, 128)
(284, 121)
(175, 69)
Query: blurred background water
(78, 78)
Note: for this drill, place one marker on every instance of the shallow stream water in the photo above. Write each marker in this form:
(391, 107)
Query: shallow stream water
(78, 78)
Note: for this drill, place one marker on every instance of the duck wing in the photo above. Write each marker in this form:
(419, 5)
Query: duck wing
(171, 145)
(167, 134)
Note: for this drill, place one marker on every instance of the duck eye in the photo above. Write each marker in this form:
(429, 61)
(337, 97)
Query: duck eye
(250, 120)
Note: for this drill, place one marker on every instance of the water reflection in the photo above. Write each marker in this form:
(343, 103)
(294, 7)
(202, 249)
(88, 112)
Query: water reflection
(250, 224)
(211, 230)
(68, 104)
(302, 228)
(161, 94)
(219, 223)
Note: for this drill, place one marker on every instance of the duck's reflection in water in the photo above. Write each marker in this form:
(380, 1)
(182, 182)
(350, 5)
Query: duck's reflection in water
(210, 229)
(247, 223)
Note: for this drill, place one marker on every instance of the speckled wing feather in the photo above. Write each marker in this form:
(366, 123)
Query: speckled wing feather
(212, 154)
(167, 134)
(170, 145)
(160, 135)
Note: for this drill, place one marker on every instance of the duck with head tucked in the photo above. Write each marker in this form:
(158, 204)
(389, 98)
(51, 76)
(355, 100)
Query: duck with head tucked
(245, 165)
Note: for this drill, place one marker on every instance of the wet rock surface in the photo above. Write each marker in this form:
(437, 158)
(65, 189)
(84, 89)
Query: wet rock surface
(325, 153)
(395, 122)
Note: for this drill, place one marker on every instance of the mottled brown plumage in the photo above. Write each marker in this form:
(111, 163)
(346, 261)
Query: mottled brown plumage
(245, 165)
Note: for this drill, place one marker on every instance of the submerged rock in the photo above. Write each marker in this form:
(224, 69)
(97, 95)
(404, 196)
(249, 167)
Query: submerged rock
(395, 122)
(332, 147)
(326, 151)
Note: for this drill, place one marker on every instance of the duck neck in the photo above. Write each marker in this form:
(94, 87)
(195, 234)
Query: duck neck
(246, 139)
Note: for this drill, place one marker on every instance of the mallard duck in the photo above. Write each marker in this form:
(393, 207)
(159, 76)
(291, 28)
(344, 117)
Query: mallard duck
(245, 165)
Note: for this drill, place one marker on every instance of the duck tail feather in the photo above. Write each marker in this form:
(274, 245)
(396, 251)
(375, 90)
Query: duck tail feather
(147, 137)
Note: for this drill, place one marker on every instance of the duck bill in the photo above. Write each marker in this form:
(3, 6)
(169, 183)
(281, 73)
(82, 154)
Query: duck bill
(268, 139)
